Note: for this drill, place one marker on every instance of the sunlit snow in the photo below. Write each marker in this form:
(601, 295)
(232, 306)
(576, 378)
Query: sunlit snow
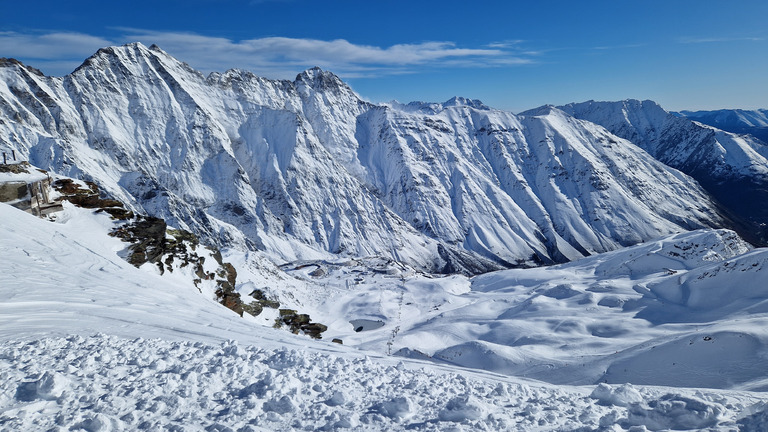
(90, 342)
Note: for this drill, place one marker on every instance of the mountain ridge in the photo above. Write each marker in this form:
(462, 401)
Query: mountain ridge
(732, 168)
(739, 121)
(307, 169)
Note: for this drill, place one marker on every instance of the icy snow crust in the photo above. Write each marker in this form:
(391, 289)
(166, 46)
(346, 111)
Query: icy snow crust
(305, 169)
(89, 342)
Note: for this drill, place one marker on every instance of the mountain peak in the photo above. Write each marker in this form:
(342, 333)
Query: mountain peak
(634, 111)
(543, 110)
(629, 104)
(108, 54)
(11, 62)
(132, 46)
(462, 101)
(434, 107)
(128, 56)
(318, 79)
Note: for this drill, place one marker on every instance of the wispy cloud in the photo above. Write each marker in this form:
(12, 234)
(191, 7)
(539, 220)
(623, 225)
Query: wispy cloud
(697, 40)
(48, 46)
(277, 57)
(505, 44)
(618, 47)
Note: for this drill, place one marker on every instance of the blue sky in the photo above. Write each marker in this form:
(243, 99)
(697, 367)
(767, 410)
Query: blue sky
(515, 55)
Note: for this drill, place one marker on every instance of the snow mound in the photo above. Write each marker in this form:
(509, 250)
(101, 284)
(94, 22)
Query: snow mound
(736, 284)
(623, 395)
(682, 251)
(674, 412)
(757, 420)
(462, 408)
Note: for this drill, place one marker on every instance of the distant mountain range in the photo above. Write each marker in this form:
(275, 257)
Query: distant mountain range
(753, 122)
(307, 169)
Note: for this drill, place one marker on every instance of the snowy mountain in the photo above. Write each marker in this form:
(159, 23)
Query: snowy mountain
(306, 169)
(332, 207)
(732, 168)
(753, 122)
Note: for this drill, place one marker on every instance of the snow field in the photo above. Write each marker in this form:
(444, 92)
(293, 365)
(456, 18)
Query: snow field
(615, 317)
(106, 383)
(164, 362)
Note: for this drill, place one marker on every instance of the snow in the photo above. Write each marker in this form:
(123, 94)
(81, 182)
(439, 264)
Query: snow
(754, 122)
(677, 141)
(612, 317)
(105, 383)
(24, 175)
(89, 342)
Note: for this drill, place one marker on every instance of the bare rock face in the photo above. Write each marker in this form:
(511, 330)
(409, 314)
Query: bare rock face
(153, 242)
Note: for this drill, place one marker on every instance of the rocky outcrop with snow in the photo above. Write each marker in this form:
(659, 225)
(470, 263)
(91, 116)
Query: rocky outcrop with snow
(306, 169)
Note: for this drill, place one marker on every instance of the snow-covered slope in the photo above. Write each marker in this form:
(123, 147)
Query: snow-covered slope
(733, 168)
(305, 169)
(753, 122)
(89, 342)
(679, 311)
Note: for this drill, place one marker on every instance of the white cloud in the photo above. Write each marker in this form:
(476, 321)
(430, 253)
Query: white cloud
(276, 57)
(694, 40)
(50, 46)
(512, 43)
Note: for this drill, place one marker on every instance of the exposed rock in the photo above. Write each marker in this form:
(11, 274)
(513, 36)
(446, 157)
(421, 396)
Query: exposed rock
(300, 322)
(259, 303)
(8, 62)
(90, 198)
(147, 236)
(16, 168)
(152, 242)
